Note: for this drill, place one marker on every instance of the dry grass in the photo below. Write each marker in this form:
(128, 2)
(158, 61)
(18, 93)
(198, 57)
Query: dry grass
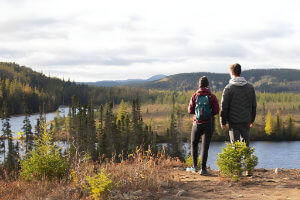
(142, 171)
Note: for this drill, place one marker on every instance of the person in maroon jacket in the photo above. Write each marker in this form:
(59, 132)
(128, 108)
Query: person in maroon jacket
(201, 128)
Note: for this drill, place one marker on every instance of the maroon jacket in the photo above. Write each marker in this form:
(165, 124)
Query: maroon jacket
(213, 104)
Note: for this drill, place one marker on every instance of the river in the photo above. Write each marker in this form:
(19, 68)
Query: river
(270, 154)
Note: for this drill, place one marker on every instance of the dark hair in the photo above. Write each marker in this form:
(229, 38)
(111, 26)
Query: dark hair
(203, 82)
(236, 69)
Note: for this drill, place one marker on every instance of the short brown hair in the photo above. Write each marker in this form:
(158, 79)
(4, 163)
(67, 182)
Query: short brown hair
(203, 82)
(236, 69)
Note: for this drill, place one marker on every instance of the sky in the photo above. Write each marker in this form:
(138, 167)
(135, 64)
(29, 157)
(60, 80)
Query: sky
(96, 40)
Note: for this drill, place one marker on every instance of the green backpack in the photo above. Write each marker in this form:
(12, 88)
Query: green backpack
(203, 110)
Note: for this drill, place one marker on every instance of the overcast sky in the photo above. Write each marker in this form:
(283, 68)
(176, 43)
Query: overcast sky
(108, 40)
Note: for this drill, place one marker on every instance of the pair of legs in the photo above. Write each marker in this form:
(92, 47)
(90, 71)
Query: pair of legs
(204, 131)
(239, 132)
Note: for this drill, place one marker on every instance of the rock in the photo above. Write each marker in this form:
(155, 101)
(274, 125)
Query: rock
(114, 192)
(126, 196)
(165, 192)
(50, 198)
(118, 196)
(282, 186)
(164, 184)
(181, 193)
(137, 193)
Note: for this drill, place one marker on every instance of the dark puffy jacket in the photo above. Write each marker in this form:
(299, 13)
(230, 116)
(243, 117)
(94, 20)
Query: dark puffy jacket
(212, 101)
(238, 102)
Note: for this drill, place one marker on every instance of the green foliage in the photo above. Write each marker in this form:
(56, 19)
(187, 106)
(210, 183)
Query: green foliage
(99, 185)
(45, 161)
(189, 161)
(235, 159)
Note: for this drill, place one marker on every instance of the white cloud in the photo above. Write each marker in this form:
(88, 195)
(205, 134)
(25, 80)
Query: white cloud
(103, 40)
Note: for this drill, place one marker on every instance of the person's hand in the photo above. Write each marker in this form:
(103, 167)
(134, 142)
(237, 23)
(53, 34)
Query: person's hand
(251, 124)
(223, 127)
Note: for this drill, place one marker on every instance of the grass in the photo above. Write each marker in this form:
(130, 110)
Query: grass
(141, 171)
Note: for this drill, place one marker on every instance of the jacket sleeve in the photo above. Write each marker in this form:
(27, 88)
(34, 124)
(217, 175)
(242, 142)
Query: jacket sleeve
(215, 105)
(225, 106)
(192, 105)
(254, 105)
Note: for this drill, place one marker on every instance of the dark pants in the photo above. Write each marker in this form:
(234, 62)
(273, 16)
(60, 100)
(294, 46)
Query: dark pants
(204, 131)
(239, 132)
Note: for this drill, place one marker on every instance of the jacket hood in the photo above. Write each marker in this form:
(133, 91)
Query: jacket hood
(238, 81)
(203, 91)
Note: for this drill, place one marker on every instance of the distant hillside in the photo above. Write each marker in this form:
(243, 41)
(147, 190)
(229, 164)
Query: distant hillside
(125, 82)
(23, 90)
(268, 80)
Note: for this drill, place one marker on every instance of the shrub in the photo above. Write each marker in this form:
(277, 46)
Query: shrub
(100, 184)
(45, 161)
(189, 161)
(235, 159)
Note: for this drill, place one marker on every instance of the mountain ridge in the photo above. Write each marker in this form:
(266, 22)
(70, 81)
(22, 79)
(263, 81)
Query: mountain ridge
(111, 83)
(264, 80)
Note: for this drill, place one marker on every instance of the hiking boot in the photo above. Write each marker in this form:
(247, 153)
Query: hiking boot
(204, 172)
(191, 169)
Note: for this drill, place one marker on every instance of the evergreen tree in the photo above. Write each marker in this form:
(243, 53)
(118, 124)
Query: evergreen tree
(137, 124)
(28, 134)
(11, 162)
(264, 112)
(175, 143)
(290, 127)
(91, 131)
(278, 127)
(56, 126)
(39, 121)
(2, 141)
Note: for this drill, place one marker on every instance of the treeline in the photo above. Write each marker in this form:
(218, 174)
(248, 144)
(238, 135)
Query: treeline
(23, 90)
(103, 133)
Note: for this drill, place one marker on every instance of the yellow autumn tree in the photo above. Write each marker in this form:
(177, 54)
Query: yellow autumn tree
(121, 111)
(269, 124)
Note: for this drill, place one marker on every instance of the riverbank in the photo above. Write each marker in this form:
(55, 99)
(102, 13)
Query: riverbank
(263, 184)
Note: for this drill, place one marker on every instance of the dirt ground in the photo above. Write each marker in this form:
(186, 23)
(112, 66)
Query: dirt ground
(263, 184)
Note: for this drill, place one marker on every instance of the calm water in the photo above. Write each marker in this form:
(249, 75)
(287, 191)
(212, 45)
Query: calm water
(16, 124)
(270, 154)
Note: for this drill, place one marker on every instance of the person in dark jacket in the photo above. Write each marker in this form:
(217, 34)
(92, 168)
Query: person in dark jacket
(238, 106)
(202, 128)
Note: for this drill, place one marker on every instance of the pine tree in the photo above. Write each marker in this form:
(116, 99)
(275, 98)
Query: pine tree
(91, 131)
(175, 142)
(28, 134)
(56, 125)
(11, 162)
(264, 112)
(278, 127)
(2, 141)
(39, 121)
(290, 127)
